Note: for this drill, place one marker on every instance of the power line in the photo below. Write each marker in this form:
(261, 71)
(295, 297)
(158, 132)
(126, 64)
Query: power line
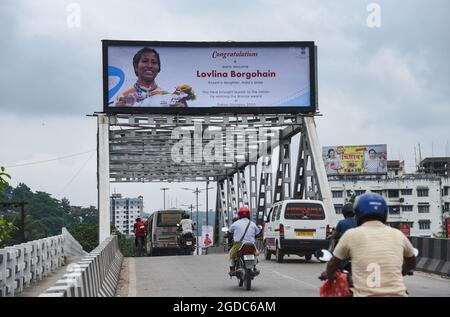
(76, 174)
(50, 160)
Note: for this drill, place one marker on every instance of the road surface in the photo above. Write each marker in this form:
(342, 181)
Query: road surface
(206, 275)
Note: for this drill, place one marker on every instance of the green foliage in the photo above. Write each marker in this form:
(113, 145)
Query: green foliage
(439, 235)
(45, 216)
(5, 230)
(126, 245)
(6, 227)
(87, 235)
(4, 179)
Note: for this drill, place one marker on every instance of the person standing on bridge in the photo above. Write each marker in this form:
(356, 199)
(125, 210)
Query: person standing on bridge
(207, 243)
(380, 254)
(140, 232)
(244, 231)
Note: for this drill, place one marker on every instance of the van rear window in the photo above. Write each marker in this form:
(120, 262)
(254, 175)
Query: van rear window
(304, 211)
(168, 219)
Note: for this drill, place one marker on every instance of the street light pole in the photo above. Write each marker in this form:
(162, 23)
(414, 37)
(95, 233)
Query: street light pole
(196, 192)
(164, 190)
(196, 201)
(207, 211)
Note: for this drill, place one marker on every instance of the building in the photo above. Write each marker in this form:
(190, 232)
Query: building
(435, 165)
(417, 203)
(124, 211)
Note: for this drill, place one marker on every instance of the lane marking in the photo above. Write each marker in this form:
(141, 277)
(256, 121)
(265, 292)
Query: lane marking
(132, 278)
(297, 280)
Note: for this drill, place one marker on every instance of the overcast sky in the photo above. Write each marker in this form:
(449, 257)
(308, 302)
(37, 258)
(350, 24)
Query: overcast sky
(376, 85)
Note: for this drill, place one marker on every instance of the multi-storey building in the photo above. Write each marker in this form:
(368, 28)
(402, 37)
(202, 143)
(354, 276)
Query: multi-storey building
(124, 211)
(417, 203)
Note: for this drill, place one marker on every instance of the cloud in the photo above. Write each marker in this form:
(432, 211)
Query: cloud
(387, 85)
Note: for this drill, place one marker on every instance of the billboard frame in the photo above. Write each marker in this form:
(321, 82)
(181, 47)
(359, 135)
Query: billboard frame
(355, 174)
(311, 110)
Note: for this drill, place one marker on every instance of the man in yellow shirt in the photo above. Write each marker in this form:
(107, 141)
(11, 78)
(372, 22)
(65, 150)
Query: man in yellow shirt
(380, 255)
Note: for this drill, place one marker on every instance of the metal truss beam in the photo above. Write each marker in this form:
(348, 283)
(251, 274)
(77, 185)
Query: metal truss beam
(283, 178)
(253, 178)
(141, 145)
(265, 189)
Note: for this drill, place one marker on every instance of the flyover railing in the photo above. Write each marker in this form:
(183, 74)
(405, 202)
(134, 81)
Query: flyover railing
(27, 263)
(95, 275)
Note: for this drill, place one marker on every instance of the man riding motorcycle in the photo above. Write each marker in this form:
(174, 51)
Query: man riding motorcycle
(243, 231)
(186, 226)
(347, 223)
(380, 254)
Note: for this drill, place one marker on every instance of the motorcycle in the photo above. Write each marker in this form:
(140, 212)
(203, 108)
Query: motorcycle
(326, 256)
(245, 264)
(186, 241)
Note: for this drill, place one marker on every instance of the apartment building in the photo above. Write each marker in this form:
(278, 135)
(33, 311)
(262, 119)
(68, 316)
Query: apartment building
(124, 211)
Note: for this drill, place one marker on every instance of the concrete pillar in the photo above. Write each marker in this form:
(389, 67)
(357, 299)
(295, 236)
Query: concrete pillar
(103, 177)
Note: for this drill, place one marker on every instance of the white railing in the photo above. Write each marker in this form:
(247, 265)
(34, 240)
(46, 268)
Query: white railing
(96, 274)
(23, 264)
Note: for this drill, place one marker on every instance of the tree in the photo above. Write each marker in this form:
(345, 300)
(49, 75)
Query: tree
(6, 227)
(87, 235)
(126, 245)
(4, 179)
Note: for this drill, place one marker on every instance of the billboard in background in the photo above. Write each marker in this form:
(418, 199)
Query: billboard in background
(355, 159)
(207, 237)
(208, 77)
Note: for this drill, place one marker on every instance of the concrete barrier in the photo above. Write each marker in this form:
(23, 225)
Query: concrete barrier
(22, 264)
(434, 255)
(95, 275)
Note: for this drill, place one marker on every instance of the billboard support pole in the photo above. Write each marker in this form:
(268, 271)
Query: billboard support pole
(103, 177)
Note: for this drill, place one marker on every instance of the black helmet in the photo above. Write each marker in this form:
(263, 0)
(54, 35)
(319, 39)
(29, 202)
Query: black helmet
(185, 215)
(347, 210)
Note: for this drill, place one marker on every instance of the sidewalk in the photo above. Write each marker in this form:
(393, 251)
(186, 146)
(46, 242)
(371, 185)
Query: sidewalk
(39, 287)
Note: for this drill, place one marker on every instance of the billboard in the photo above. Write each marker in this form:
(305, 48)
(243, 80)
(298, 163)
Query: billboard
(209, 77)
(355, 159)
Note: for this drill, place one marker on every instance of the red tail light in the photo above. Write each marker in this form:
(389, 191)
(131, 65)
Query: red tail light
(281, 229)
(248, 249)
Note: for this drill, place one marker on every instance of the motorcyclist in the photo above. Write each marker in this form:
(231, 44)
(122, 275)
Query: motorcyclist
(186, 225)
(380, 254)
(242, 229)
(345, 224)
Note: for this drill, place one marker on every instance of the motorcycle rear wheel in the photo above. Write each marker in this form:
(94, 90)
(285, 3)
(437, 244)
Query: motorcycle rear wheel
(248, 280)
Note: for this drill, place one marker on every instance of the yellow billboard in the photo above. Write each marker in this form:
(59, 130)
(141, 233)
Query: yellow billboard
(355, 159)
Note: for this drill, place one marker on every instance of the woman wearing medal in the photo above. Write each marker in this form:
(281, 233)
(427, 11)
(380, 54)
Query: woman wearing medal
(147, 65)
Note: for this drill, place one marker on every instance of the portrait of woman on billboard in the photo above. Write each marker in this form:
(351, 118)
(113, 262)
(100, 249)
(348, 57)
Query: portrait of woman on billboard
(374, 164)
(145, 91)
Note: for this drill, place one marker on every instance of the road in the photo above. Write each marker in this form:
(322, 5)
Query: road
(206, 275)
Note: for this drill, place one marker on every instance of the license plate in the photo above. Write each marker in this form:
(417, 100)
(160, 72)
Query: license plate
(304, 233)
(188, 243)
(249, 257)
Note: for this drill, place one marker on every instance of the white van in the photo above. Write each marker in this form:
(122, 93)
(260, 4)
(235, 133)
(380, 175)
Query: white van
(296, 226)
(162, 235)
